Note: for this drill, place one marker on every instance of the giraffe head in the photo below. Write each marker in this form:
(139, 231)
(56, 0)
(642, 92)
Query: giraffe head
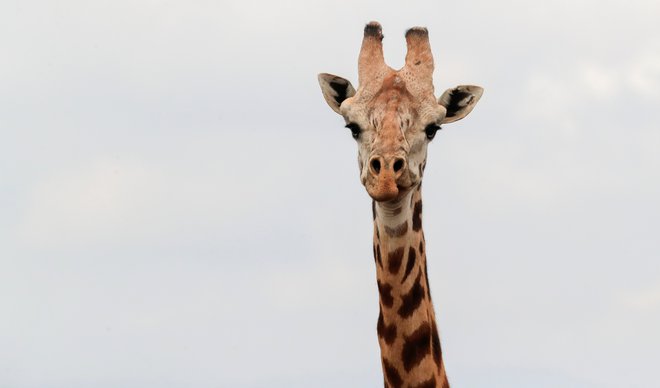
(394, 114)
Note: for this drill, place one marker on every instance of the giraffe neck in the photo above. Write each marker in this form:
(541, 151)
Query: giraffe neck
(407, 334)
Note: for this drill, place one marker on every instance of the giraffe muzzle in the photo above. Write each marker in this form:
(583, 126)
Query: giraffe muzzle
(383, 178)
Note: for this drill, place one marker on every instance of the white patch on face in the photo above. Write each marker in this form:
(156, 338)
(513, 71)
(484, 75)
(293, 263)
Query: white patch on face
(365, 143)
(417, 154)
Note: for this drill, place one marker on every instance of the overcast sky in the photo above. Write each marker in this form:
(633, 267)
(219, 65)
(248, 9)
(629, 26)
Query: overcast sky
(180, 208)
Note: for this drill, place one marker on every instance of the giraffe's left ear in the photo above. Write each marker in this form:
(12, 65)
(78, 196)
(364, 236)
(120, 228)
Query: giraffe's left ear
(460, 101)
(335, 90)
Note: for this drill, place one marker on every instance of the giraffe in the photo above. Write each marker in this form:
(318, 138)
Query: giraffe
(393, 115)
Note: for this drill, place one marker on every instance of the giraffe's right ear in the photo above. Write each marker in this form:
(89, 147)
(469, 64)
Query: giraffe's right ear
(335, 90)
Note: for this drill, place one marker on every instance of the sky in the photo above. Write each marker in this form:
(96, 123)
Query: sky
(180, 208)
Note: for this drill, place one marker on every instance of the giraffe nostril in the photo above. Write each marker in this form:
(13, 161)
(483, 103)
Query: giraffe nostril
(375, 165)
(398, 165)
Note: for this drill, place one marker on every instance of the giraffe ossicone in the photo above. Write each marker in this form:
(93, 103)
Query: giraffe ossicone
(393, 115)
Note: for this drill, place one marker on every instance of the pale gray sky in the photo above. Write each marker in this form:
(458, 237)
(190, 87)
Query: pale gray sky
(179, 207)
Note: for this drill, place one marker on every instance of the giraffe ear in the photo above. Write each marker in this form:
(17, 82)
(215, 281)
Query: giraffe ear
(460, 101)
(335, 90)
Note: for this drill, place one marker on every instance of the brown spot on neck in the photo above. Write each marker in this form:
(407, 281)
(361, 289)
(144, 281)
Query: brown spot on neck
(392, 376)
(397, 231)
(416, 346)
(385, 291)
(394, 259)
(411, 300)
(385, 331)
(410, 264)
(417, 216)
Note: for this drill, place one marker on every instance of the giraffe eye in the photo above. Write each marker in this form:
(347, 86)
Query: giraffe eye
(355, 129)
(431, 129)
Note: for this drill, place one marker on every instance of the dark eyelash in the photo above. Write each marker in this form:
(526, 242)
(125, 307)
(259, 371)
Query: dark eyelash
(431, 129)
(355, 129)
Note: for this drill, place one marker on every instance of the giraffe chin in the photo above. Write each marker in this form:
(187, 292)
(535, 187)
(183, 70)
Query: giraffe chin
(383, 191)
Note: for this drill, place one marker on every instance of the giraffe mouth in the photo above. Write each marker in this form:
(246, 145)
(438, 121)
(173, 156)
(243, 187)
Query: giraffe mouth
(384, 195)
(389, 193)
